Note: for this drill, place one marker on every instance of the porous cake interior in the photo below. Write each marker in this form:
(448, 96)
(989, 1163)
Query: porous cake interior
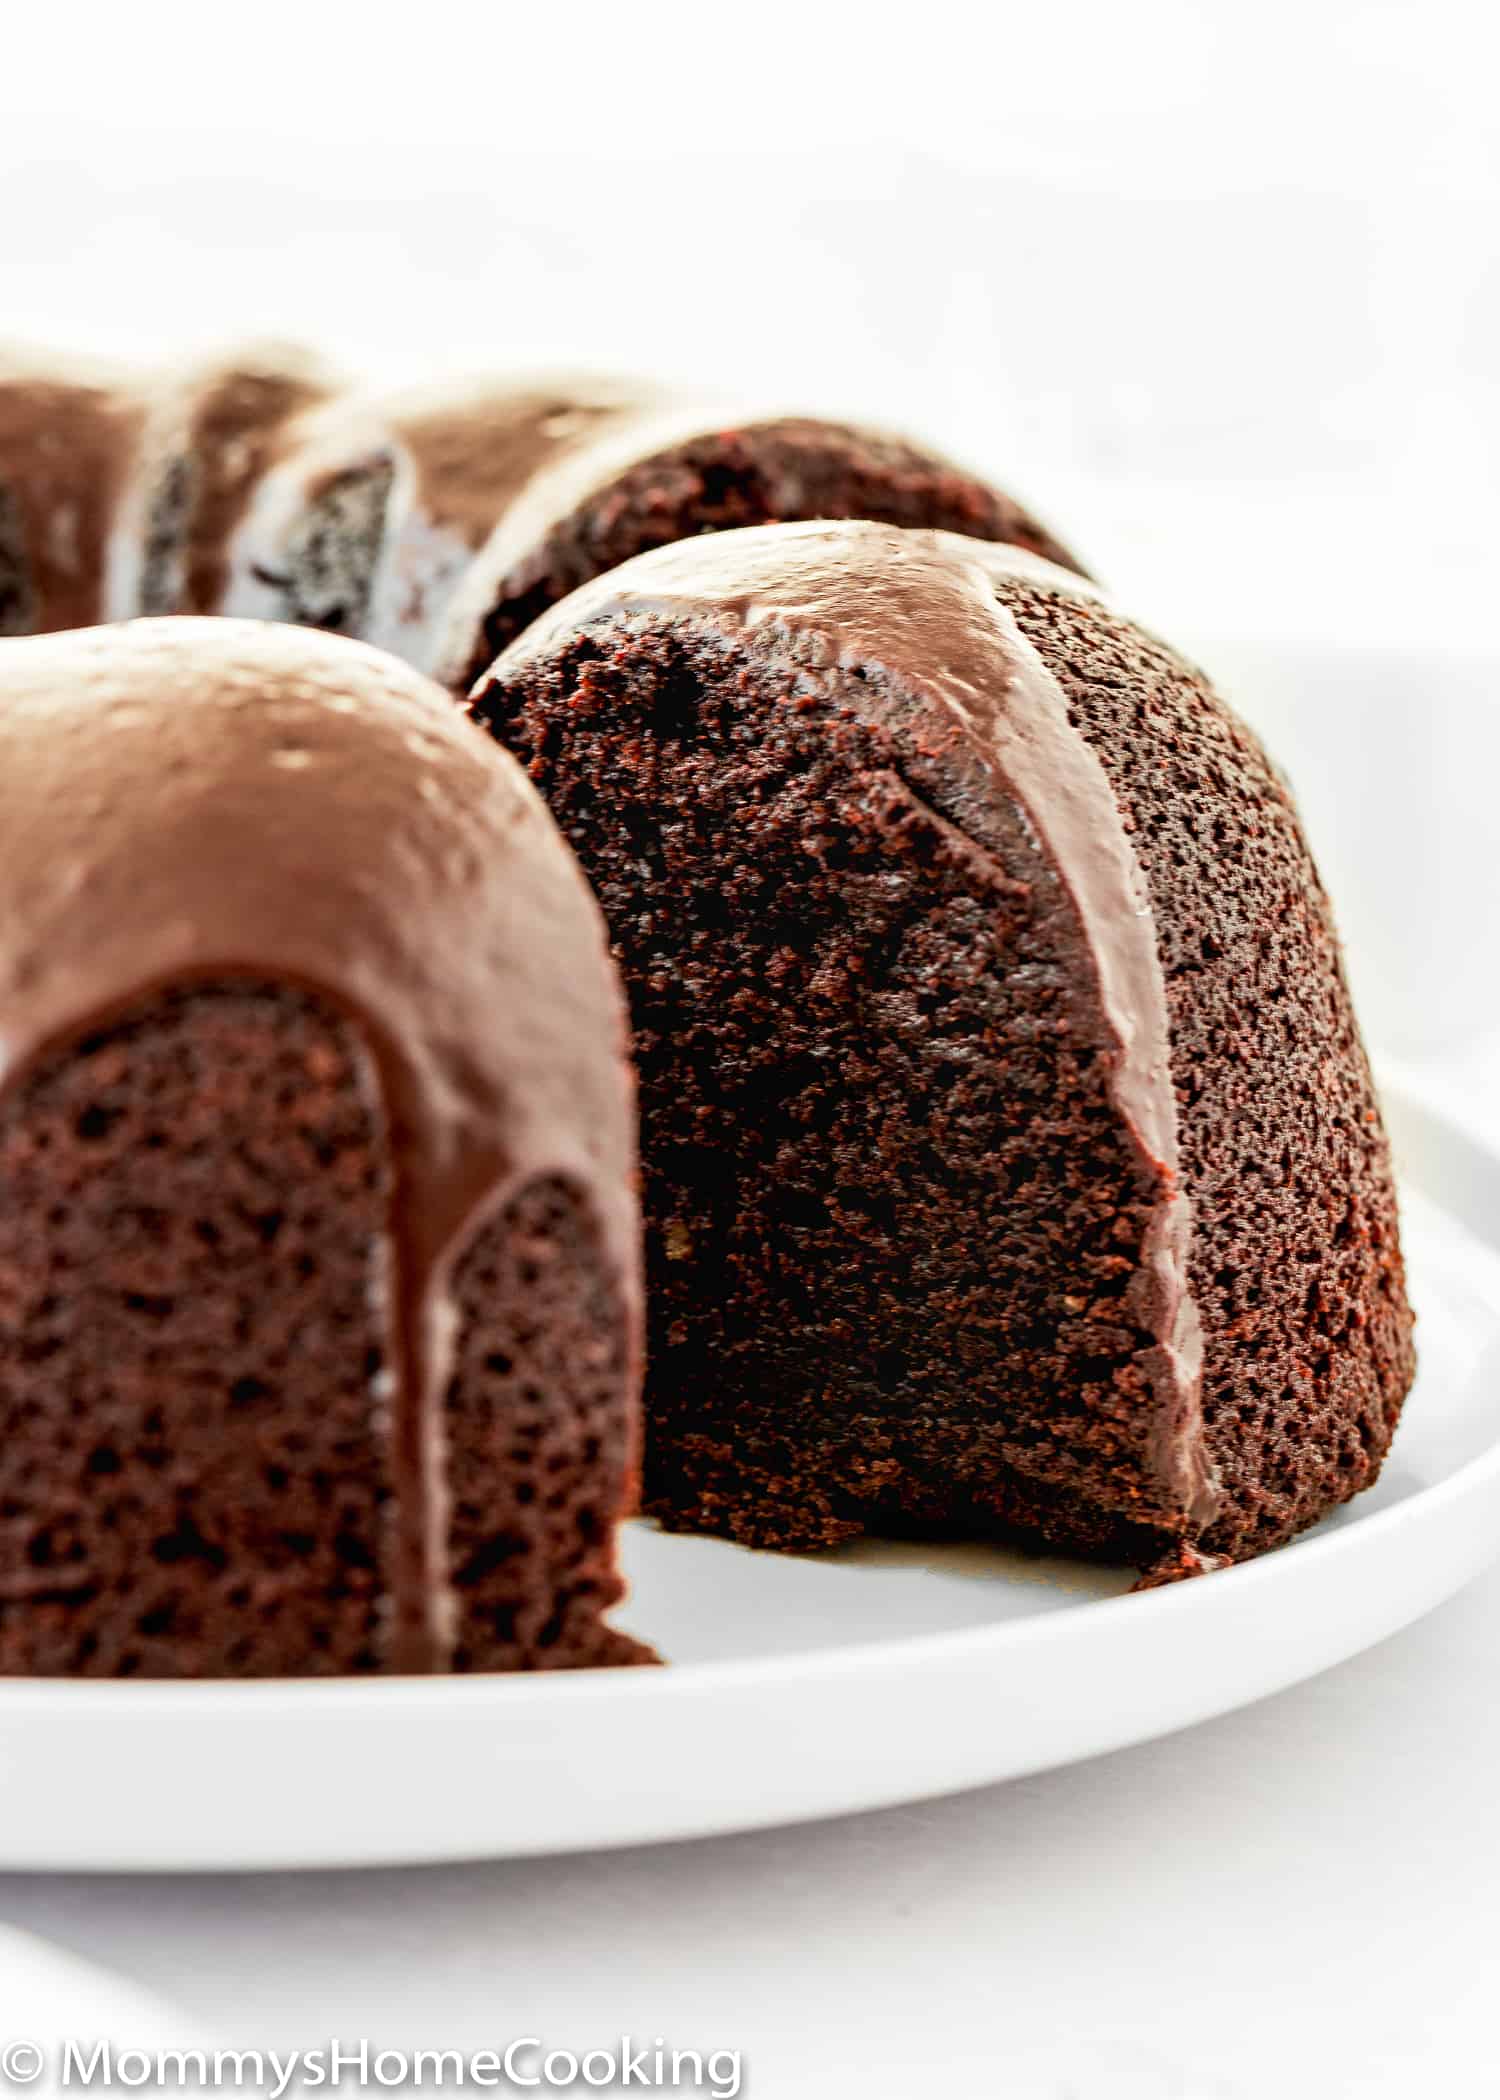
(196, 1414)
(193, 1475)
(538, 1438)
(791, 470)
(1295, 1262)
(325, 570)
(891, 1216)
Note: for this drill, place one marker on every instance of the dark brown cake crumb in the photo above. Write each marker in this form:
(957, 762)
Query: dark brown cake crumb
(17, 603)
(195, 1478)
(537, 1441)
(331, 552)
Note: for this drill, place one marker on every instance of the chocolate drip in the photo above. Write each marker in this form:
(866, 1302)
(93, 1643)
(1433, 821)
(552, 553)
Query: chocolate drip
(186, 800)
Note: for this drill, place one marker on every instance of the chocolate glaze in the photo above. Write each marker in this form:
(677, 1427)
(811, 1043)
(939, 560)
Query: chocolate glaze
(452, 457)
(516, 554)
(209, 433)
(68, 433)
(185, 800)
(537, 505)
(915, 616)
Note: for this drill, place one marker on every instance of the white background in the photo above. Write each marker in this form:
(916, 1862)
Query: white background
(1217, 286)
(1218, 289)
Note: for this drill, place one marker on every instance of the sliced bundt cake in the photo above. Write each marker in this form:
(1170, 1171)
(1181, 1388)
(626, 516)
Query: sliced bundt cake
(1011, 1156)
(319, 1296)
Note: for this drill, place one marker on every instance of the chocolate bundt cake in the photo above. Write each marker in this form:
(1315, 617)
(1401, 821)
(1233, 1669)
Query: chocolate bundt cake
(209, 434)
(665, 477)
(1011, 1158)
(376, 505)
(68, 432)
(319, 1294)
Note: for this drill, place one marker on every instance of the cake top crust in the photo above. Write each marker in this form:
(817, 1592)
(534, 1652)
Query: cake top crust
(183, 800)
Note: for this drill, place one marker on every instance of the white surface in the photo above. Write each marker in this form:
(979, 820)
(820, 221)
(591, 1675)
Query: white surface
(1393, 751)
(46, 1995)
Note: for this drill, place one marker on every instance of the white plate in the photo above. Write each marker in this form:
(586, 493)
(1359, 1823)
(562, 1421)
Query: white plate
(802, 1687)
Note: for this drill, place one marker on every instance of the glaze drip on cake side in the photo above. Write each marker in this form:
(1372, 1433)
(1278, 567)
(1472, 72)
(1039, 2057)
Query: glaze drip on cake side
(307, 812)
(912, 619)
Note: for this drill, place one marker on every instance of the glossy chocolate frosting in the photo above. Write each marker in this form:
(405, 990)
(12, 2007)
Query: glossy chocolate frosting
(515, 547)
(786, 447)
(69, 428)
(919, 619)
(190, 800)
(442, 464)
